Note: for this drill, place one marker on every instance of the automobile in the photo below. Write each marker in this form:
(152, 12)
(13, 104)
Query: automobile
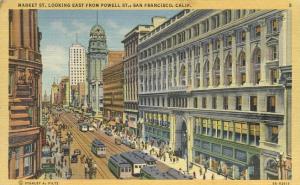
(108, 132)
(132, 145)
(118, 141)
(77, 152)
(74, 158)
(91, 128)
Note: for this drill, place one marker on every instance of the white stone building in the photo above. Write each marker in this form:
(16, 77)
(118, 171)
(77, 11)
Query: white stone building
(222, 78)
(77, 65)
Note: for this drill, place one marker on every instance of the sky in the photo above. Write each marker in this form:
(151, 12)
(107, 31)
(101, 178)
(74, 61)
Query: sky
(59, 29)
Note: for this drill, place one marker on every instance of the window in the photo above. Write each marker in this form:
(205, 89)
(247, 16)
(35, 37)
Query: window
(214, 128)
(227, 16)
(209, 130)
(241, 130)
(216, 44)
(238, 103)
(28, 148)
(273, 52)
(204, 102)
(274, 75)
(241, 37)
(214, 102)
(215, 21)
(273, 26)
(228, 42)
(228, 130)
(225, 102)
(196, 30)
(28, 165)
(257, 31)
(219, 128)
(254, 134)
(195, 102)
(253, 103)
(204, 126)
(205, 26)
(271, 103)
(11, 82)
(272, 135)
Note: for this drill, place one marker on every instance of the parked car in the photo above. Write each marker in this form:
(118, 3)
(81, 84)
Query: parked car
(74, 158)
(91, 128)
(108, 132)
(77, 152)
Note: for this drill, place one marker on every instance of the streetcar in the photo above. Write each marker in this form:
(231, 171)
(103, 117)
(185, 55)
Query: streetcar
(153, 173)
(83, 127)
(150, 161)
(136, 163)
(98, 148)
(119, 166)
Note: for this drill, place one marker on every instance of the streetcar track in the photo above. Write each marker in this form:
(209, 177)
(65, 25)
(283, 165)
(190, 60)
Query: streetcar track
(81, 136)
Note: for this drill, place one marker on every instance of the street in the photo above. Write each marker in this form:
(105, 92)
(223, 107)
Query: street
(58, 135)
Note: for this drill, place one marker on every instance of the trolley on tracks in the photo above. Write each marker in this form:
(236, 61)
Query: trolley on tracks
(98, 148)
(119, 166)
(150, 161)
(136, 163)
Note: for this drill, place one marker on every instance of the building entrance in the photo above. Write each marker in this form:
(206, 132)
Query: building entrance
(181, 137)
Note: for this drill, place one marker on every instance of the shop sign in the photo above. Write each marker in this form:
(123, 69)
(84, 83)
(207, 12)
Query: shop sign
(48, 167)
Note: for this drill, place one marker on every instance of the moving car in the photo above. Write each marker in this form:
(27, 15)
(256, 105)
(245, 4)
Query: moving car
(77, 152)
(74, 158)
(108, 132)
(91, 128)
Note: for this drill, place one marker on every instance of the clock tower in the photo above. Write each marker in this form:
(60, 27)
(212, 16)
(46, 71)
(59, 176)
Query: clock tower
(96, 62)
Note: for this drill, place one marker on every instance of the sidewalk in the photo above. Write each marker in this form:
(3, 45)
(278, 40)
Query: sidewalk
(56, 156)
(181, 164)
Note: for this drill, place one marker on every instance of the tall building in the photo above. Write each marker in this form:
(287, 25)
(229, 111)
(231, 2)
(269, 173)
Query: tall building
(54, 94)
(25, 94)
(130, 42)
(97, 61)
(64, 91)
(113, 81)
(215, 86)
(77, 65)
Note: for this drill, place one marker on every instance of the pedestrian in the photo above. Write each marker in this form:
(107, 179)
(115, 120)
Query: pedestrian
(204, 177)
(226, 176)
(212, 177)
(194, 174)
(200, 170)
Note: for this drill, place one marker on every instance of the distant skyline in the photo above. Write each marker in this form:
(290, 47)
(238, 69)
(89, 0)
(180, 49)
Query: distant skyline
(59, 29)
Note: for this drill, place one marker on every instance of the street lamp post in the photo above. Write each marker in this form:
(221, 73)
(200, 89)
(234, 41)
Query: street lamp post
(281, 163)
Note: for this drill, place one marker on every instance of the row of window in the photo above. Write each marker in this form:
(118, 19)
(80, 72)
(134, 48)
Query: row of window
(255, 33)
(185, 78)
(248, 133)
(182, 102)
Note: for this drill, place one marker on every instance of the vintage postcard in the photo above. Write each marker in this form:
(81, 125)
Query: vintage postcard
(195, 92)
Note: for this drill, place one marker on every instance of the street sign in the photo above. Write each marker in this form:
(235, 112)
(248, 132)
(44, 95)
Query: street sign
(48, 168)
